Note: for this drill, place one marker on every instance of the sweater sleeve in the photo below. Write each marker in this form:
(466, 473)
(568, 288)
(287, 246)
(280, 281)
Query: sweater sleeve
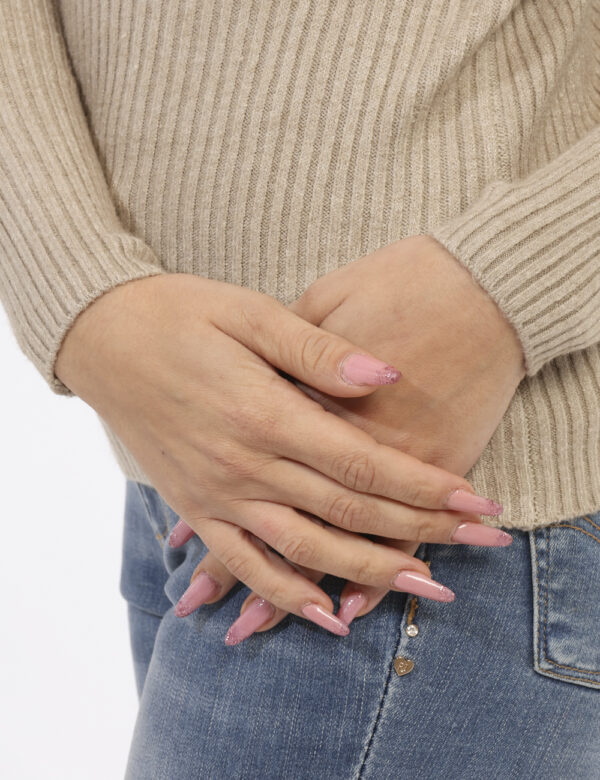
(61, 242)
(534, 246)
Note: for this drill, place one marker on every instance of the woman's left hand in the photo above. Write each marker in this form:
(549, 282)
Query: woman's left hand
(413, 303)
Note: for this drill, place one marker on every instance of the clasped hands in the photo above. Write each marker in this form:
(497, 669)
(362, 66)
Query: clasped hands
(282, 479)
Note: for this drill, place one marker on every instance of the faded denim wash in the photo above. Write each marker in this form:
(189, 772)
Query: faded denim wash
(505, 682)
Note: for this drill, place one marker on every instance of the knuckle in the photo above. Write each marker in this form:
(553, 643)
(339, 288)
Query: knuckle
(257, 419)
(270, 529)
(348, 513)
(238, 564)
(272, 432)
(298, 549)
(236, 464)
(243, 419)
(365, 572)
(419, 492)
(425, 530)
(317, 351)
(252, 317)
(356, 470)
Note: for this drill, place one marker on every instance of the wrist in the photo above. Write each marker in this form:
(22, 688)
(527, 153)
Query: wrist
(80, 360)
(472, 305)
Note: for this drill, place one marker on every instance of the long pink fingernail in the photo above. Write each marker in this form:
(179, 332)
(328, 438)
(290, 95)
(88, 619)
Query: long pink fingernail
(255, 616)
(475, 533)
(420, 585)
(180, 534)
(325, 619)
(463, 501)
(350, 606)
(364, 370)
(203, 588)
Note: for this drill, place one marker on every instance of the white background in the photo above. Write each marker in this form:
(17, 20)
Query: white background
(67, 690)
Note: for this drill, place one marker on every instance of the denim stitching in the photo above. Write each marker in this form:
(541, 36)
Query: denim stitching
(544, 648)
(591, 522)
(143, 497)
(550, 673)
(157, 535)
(545, 644)
(538, 643)
(414, 606)
(535, 596)
(576, 528)
(163, 509)
(407, 606)
(381, 703)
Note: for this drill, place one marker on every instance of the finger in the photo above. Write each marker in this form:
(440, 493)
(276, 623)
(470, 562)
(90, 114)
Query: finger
(210, 581)
(301, 487)
(258, 614)
(269, 576)
(180, 534)
(327, 549)
(355, 459)
(321, 359)
(238, 628)
(357, 600)
(320, 299)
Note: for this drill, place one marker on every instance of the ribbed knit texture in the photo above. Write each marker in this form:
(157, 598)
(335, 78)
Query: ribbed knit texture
(267, 142)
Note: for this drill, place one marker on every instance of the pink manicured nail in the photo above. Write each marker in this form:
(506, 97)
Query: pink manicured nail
(463, 501)
(364, 370)
(350, 606)
(203, 588)
(180, 534)
(255, 616)
(420, 585)
(325, 619)
(474, 533)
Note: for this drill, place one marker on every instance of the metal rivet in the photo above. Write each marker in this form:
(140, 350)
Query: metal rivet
(403, 665)
(412, 630)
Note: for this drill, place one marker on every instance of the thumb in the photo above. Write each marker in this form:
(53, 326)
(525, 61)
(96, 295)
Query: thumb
(320, 359)
(313, 306)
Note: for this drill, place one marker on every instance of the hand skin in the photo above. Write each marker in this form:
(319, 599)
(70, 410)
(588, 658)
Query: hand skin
(182, 369)
(461, 363)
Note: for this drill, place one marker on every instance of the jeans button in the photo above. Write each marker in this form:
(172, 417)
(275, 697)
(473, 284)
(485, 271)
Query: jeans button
(403, 665)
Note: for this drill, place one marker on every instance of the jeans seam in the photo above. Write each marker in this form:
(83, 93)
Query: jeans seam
(550, 673)
(536, 597)
(380, 707)
(157, 534)
(581, 530)
(591, 522)
(546, 598)
(543, 646)
(409, 605)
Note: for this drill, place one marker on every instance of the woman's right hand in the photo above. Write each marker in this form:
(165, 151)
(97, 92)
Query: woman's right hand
(183, 369)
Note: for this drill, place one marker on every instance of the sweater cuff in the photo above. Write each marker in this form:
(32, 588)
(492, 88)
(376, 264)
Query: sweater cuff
(42, 313)
(61, 242)
(534, 246)
(116, 270)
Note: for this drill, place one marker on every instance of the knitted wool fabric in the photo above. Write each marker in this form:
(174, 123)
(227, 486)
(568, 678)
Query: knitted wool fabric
(267, 142)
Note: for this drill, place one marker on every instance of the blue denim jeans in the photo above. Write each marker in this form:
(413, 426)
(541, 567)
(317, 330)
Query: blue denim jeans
(502, 683)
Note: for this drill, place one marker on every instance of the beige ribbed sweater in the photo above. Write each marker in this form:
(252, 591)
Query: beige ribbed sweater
(267, 142)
